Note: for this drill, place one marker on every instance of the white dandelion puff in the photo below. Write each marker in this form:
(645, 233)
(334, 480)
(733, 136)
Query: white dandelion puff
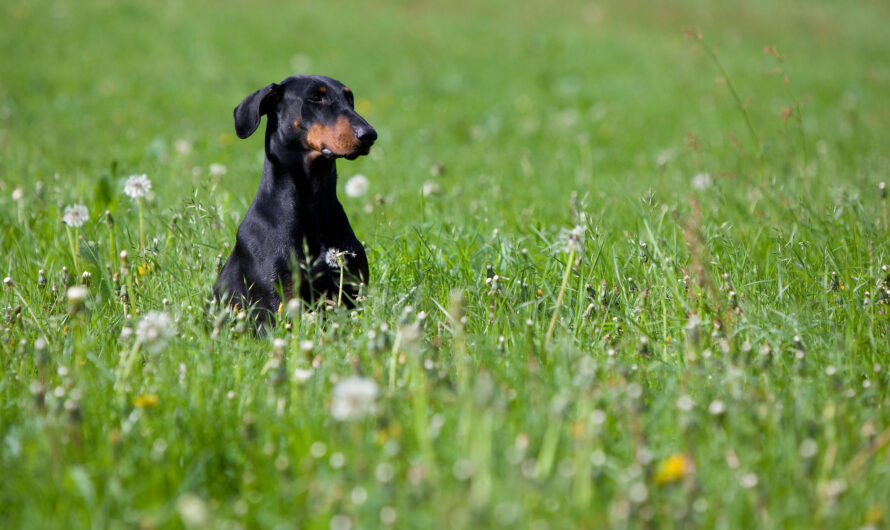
(357, 186)
(702, 181)
(749, 480)
(137, 186)
(332, 256)
(75, 216)
(218, 170)
(155, 329)
(354, 398)
(685, 403)
(430, 188)
(301, 375)
(182, 146)
(77, 295)
(572, 240)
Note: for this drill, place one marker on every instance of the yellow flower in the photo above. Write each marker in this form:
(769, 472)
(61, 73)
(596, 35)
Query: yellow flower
(674, 468)
(145, 401)
(874, 515)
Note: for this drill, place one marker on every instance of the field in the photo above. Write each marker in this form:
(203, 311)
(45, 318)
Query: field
(629, 268)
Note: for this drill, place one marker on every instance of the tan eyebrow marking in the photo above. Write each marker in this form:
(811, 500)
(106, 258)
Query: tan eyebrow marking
(322, 90)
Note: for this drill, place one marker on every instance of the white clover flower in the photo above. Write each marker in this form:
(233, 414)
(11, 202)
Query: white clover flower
(218, 170)
(354, 398)
(357, 186)
(137, 186)
(75, 216)
(702, 181)
(572, 240)
(154, 330)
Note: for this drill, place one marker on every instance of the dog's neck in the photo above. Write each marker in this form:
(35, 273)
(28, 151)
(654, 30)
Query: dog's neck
(308, 177)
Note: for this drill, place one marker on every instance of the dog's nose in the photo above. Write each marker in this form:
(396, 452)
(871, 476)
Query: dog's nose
(366, 135)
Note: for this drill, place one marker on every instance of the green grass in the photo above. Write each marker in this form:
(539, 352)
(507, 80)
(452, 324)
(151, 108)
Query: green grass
(746, 290)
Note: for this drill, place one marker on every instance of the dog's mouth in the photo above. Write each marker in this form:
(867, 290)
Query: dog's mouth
(361, 150)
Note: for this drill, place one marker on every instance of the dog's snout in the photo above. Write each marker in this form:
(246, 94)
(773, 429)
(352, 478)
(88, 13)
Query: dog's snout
(366, 135)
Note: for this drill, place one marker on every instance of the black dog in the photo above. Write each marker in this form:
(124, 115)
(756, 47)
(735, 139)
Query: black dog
(296, 217)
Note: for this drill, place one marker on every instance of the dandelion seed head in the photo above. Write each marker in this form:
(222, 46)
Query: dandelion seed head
(18, 194)
(333, 256)
(685, 403)
(357, 186)
(154, 330)
(218, 170)
(317, 449)
(77, 295)
(340, 522)
(430, 188)
(749, 480)
(808, 448)
(137, 186)
(354, 398)
(701, 181)
(717, 407)
(358, 495)
(388, 515)
(638, 492)
(76, 215)
(572, 240)
(301, 375)
(182, 146)
(384, 472)
(193, 510)
(337, 460)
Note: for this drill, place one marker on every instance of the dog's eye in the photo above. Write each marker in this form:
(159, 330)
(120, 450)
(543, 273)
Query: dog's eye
(315, 98)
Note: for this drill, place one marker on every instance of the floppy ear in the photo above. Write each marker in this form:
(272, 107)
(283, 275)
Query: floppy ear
(247, 113)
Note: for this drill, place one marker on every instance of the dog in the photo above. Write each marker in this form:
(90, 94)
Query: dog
(295, 219)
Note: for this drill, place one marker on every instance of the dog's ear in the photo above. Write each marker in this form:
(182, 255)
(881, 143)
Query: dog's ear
(248, 112)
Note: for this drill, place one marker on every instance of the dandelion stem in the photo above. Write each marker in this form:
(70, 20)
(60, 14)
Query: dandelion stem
(340, 292)
(131, 361)
(562, 292)
(141, 229)
(112, 245)
(394, 361)
(73, 250)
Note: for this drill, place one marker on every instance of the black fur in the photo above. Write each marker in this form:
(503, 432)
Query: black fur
(311, 122)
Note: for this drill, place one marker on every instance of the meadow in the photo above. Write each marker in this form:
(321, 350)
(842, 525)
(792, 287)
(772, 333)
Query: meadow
(628, 268)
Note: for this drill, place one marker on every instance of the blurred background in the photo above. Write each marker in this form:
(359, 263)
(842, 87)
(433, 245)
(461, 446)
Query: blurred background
(516, 103)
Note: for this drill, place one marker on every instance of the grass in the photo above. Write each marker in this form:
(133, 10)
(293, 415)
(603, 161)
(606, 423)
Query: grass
(715, 354)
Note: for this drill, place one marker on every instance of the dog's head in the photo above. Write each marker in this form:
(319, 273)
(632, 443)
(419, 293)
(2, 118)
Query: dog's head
(309, 113)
